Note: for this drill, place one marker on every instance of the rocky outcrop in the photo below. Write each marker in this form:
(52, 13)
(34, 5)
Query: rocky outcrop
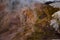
(19, 24)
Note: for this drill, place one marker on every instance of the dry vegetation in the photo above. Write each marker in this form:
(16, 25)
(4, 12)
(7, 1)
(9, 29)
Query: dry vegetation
(27, 23)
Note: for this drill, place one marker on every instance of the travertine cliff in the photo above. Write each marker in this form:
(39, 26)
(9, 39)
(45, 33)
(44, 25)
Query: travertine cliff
(18, 23)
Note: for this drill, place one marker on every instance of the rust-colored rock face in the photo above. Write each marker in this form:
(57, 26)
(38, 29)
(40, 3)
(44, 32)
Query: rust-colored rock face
(18, 24)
